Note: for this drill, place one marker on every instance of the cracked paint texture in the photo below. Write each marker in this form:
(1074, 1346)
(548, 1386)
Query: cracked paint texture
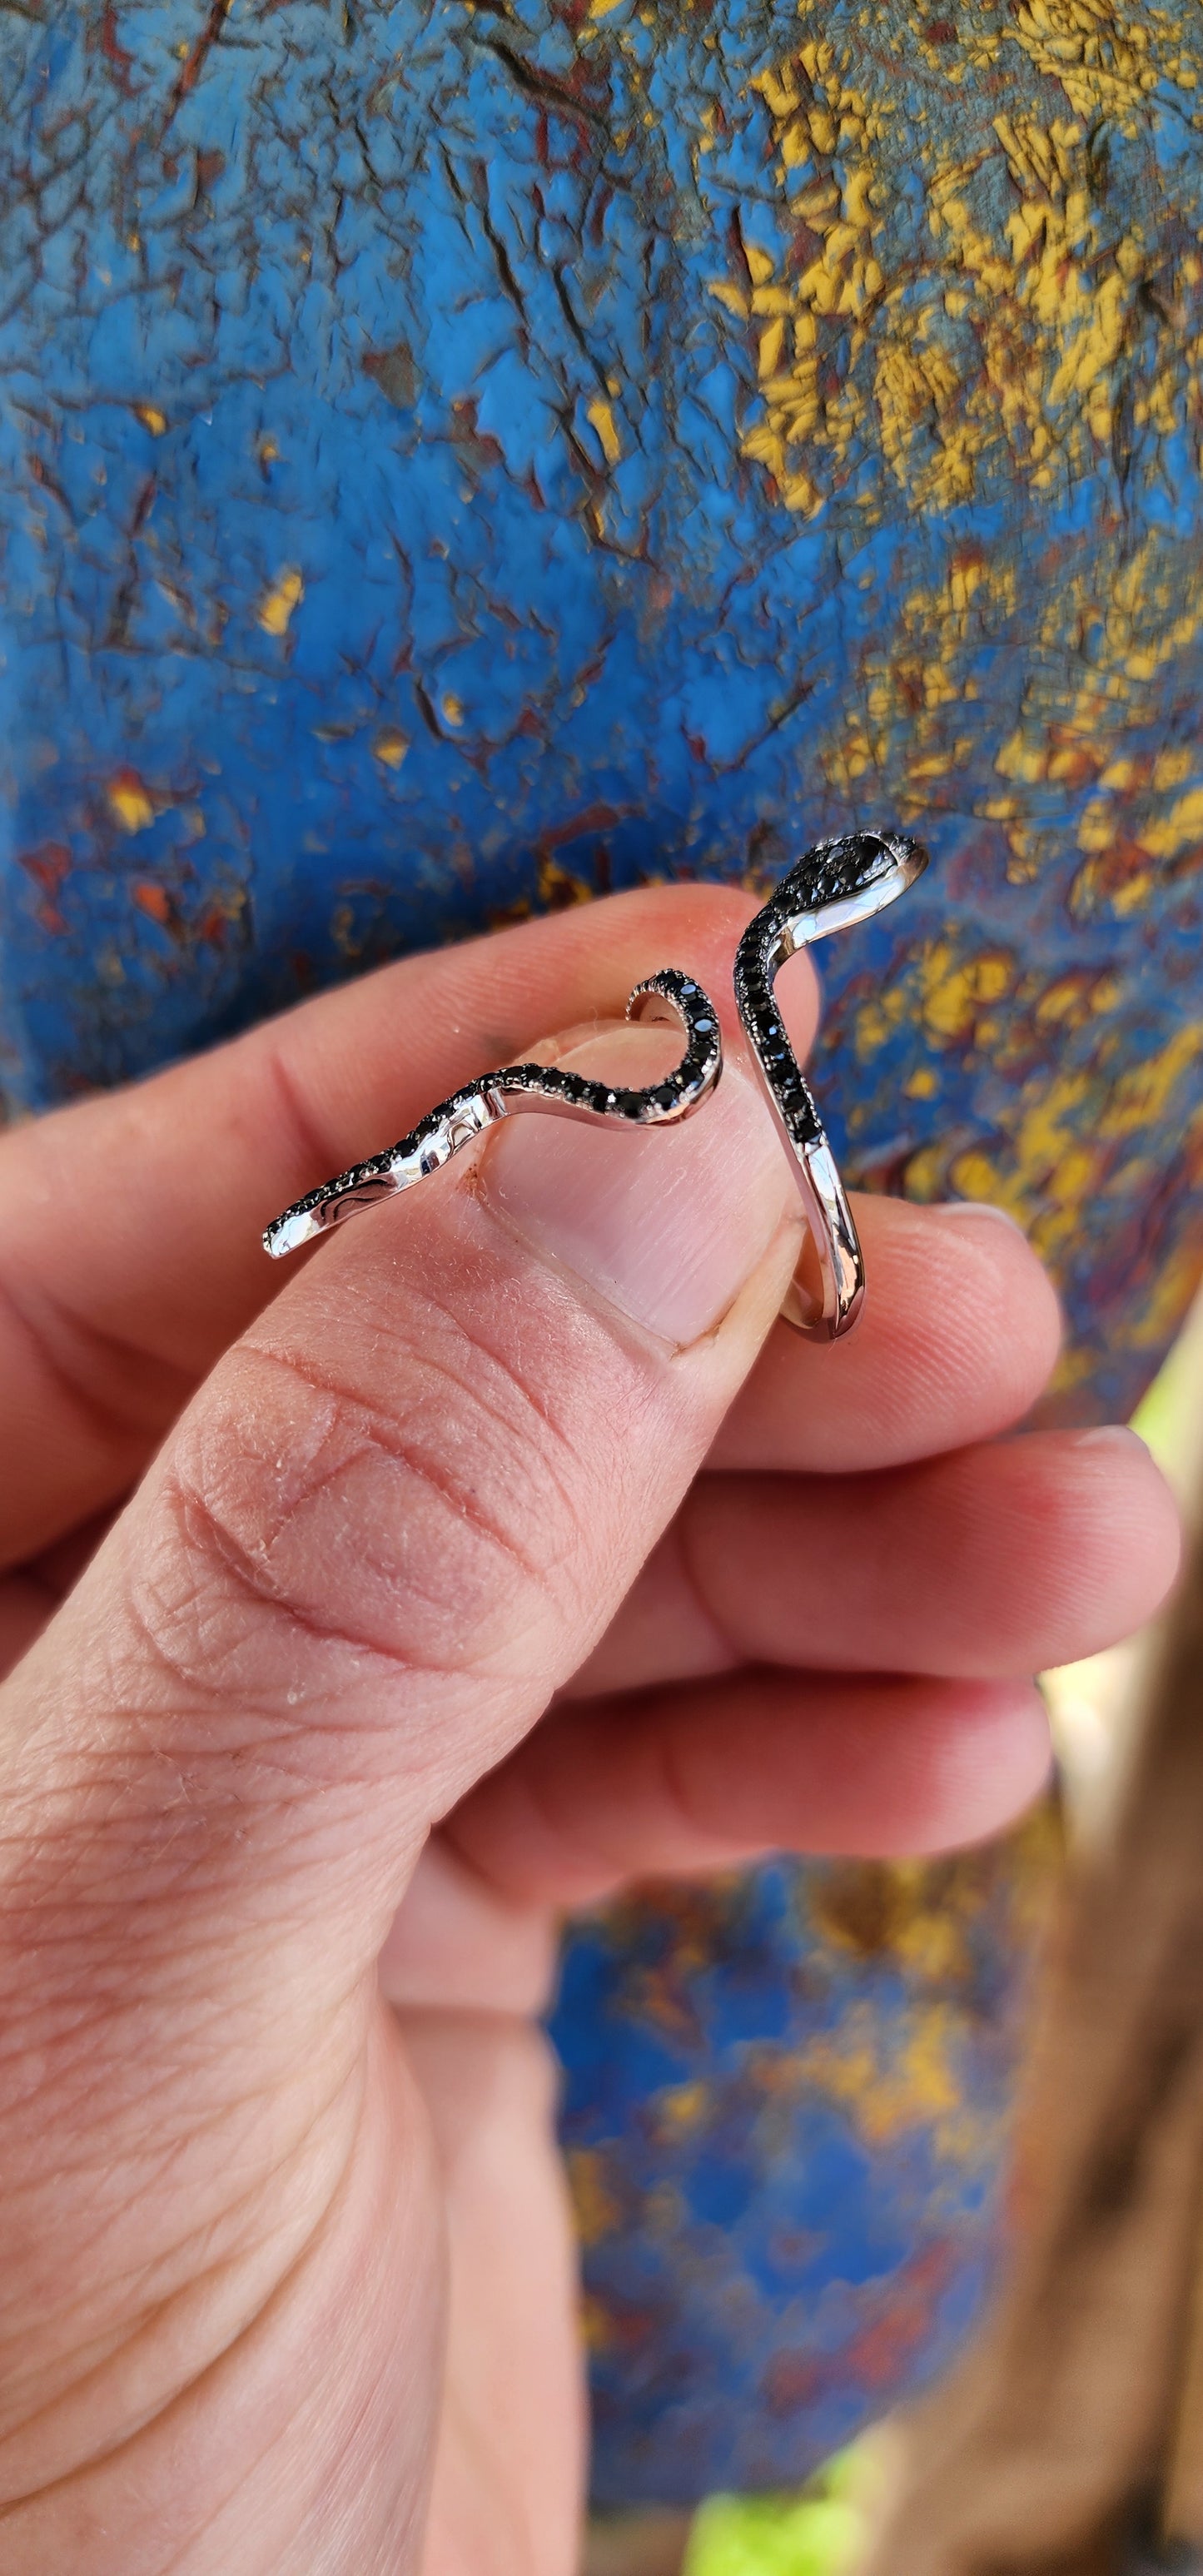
(455, 458)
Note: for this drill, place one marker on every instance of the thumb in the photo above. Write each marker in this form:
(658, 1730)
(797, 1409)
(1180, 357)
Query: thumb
(393, 1522)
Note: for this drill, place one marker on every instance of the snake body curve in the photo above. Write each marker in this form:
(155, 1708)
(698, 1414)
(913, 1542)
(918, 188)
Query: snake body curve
(456, 1122)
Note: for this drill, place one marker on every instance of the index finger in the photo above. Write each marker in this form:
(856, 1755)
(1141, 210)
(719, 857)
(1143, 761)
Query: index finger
(130, 1224)
(958, 1338)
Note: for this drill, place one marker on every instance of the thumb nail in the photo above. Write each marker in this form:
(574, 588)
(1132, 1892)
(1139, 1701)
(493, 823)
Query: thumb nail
(667, 1223)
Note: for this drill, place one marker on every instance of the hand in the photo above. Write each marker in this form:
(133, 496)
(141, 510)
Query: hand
(285, 2272)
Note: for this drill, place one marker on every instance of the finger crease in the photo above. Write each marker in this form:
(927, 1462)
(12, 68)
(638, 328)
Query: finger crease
(77, 1355)
(377, 1434)
(313, 1152)
(252, 1579)
(733, 1647)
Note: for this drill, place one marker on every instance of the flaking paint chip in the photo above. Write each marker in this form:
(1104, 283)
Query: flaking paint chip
(278, 603)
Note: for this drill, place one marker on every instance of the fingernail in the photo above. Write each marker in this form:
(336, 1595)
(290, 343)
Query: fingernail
(1110, 1435)
(667, 1223)
(965, 1210)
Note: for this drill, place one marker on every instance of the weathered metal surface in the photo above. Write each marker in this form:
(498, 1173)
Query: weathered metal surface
(454, 458)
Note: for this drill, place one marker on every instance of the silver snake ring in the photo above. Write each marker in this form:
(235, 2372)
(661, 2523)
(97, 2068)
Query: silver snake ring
(837, 884)
(668, 996)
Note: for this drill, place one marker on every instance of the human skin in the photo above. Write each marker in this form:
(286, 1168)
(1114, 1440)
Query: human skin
(506, 1551)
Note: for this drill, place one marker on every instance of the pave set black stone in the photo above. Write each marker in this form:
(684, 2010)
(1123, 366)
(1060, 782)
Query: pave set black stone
(836, 885)
(758, 1011)
(833, 872)
(458, 1120)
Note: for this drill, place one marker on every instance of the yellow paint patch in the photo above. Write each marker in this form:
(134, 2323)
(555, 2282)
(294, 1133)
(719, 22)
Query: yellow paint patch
(1020, 757)
(1171, 768)
(391, 746)
(600, 416)
(277, 604)
(151, 418)
(451, 709)
(1036, 267)
(128, 801)
(1066, 1004)
(890, 2083)
(951, 1005)
(1142, 1096)
(558, 887)
(1096, 826)
(680, 2108)
(1177, 829)
(1063, 1149)
(974, 1176)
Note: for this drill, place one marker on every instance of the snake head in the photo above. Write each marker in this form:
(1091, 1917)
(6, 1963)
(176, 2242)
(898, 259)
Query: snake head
(846, 880)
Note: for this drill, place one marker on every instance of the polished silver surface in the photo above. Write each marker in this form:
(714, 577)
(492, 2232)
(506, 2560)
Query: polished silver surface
(836, 885)
(668, 996)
